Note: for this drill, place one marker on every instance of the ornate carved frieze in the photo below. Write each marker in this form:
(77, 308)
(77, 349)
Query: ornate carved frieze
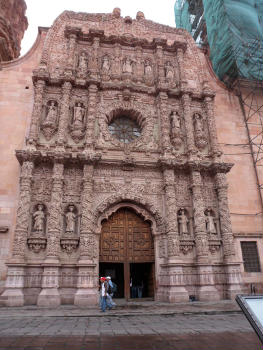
(36, 244)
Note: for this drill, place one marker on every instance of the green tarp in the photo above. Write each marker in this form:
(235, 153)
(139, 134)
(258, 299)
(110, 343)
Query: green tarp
(235, 35)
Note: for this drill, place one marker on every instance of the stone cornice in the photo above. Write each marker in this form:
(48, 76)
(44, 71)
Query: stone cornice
(130, 163)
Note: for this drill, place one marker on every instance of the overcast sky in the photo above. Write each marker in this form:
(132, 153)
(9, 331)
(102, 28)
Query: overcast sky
(43, 13)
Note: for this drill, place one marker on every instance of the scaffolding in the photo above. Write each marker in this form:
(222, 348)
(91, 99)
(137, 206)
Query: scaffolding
(234, 33)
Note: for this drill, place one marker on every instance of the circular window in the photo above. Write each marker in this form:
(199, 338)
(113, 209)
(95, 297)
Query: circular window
(125, 129)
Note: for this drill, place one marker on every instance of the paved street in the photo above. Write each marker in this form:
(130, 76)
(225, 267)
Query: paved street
(159, 332)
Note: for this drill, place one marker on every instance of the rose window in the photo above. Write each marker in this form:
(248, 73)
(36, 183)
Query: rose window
(125, 129)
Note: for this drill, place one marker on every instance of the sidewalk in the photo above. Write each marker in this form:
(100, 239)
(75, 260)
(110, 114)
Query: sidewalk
(125, 308)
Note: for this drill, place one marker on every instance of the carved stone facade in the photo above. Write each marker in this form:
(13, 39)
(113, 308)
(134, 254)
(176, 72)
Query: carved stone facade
(161, 161)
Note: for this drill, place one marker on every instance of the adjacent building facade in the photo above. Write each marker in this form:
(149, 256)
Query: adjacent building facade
(121, 167)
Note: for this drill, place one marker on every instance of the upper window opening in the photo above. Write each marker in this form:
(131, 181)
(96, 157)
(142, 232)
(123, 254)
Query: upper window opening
(125, 129)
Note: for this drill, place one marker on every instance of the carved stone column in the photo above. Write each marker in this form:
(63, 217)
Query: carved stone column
(49, 294)
(87, 287)
(92, 103)
(165, 124)
(13, 293)
(71, 50)
(37, 110)
(190, 144)
(139, 66)
(206, 289)
(232, 268)
(176, 290)
(180, 59)
(209, 106)
(64, 113)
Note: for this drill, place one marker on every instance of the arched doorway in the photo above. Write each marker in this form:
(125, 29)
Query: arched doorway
(127, 253)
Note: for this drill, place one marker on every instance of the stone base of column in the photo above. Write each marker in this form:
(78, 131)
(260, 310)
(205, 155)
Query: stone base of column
(177, 294)
(12, 297)
(234, 280)
(49, 297)
(206, 290)
(207, 293)
(86, 297)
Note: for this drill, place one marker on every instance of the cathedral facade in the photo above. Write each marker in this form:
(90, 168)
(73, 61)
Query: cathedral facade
(121, 171)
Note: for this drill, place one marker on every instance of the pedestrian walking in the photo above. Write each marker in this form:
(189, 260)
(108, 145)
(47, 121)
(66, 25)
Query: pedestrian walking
(103, 293)
(111, 289)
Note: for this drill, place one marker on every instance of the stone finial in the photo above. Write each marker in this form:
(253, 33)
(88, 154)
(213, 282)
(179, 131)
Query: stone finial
(116, 12)
(140, 15)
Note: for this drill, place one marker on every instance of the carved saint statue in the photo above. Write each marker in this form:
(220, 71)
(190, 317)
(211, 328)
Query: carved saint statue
(105, 64)
(39, 219)
(183, 221)
(175, 121)
(198, 123)
(210, 222)
(51, 114)
(127, 65)
(169, 72)
(82, 67)
(147, 68)
(70, 219)
(78, 116)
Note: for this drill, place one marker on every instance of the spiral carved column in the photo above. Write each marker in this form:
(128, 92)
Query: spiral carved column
(87, 288)
(13, 293)
(37, 110)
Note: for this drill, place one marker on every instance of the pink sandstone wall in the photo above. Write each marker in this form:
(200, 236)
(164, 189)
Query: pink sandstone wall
(16, 100)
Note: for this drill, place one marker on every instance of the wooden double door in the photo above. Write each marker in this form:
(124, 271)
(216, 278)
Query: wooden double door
(127, 253)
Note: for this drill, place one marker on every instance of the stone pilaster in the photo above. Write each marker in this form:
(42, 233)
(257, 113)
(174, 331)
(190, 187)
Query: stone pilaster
(206, 289)
(189, 129)
(176, 290)
(87, 289)
(93, 65)
(92, 103)
(49, 295)
(37, 110)
(64, 113)
(139, 65)
(159, 57)
(13, 294)
(71, 50)
(180, 59)
(165, 124)
(23, 211)
(232, 268)
(209, 107)
(55, 214)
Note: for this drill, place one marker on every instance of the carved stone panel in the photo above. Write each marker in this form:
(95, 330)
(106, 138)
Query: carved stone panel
(42, 183)
(72, 184)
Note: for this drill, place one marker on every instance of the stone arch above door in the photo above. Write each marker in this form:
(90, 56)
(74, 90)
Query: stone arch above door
(139, 204)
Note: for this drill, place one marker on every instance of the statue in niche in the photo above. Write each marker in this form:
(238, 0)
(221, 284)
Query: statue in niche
(39, 219)
(70, 218)
(77, 126)
(200, 139)
(51, 117)
(147, 68)
(83, 64)
(127, 65)
(182, 222)
(176, 138)
(169, 72)
(78, 115)
(210, 222)
(105, 64)
(198, 123)
(176, 123)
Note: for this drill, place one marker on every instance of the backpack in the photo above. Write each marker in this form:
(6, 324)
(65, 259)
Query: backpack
(114, 287)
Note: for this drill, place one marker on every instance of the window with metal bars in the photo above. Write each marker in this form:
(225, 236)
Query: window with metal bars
(250, 256)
